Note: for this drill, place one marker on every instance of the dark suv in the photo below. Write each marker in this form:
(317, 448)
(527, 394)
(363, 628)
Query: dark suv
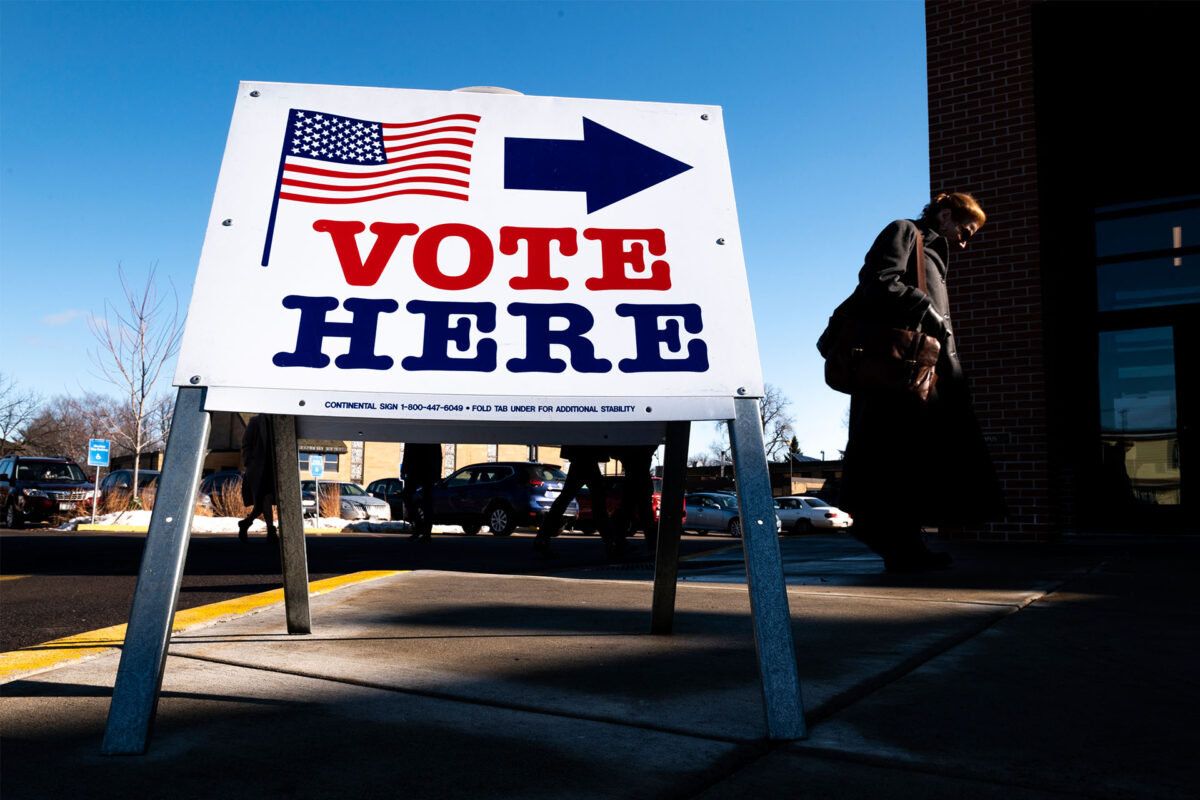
(501, 495)
(390, 490)
(34, 488)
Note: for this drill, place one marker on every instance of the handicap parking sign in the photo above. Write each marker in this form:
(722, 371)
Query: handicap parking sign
(98, 450)
(316, 467)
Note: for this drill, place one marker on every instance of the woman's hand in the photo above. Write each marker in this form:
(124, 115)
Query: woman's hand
(934, 323)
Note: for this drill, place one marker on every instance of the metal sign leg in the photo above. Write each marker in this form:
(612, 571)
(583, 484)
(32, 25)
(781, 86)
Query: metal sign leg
(670, 526)
(764, 572)
(292, 552)
(144, 655)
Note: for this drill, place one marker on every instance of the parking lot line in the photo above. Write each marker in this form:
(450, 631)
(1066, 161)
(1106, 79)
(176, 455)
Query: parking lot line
(49, 655)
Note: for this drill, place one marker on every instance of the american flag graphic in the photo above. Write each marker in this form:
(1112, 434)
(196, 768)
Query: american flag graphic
(336, 160)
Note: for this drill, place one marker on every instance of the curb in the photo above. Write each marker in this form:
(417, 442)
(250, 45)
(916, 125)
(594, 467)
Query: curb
(102, 528)
(85, 646)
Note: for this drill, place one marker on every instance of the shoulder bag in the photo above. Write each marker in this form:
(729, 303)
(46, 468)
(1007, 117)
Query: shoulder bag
(864, 356)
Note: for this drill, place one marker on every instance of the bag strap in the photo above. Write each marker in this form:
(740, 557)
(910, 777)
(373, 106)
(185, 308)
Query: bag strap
(921, 262)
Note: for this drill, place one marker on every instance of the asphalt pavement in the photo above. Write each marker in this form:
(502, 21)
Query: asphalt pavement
(1028, 670)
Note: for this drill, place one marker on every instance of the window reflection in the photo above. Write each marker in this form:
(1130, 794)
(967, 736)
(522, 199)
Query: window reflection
(1138, 417)
(1153, 282)
(1142, 232)
(1148, 254)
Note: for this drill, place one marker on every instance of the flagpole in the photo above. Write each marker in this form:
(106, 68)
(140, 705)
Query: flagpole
(266, 257)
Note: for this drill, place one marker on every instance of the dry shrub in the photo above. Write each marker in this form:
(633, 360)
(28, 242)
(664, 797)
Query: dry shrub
(228, 501)
(330, 501)
(201, 511)
(82, 509)
(114, 501)
(122, 500)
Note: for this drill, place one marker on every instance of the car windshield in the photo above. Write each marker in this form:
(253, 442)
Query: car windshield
(726, 501)
(350, 490)
(549, 474)
(815, 503)
(49, 471)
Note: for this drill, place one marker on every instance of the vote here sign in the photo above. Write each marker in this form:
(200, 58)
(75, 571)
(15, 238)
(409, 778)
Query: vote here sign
(389, 253)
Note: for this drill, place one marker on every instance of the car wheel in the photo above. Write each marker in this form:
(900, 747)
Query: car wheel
(471, 528)
(735, 528)
(13, 517)
(500, 519)
(803, 527)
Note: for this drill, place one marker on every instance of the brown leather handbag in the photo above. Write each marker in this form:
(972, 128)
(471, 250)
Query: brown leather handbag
(863, 356)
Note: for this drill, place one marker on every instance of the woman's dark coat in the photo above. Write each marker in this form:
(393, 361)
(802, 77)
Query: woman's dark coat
(259, 483)
(909, 462)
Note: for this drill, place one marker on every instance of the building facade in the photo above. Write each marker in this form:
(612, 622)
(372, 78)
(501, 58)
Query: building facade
(1077, 308)
(356, 461)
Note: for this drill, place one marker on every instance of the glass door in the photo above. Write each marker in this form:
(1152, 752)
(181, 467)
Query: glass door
(1139, 418)
(1148, 290)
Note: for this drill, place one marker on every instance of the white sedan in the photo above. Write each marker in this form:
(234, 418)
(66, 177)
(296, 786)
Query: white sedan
(355, 503)
(801, 514)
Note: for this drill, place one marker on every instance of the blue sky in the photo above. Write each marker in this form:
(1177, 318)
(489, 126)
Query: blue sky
(114, 117)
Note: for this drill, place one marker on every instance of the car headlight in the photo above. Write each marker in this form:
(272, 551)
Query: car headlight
(34, 493)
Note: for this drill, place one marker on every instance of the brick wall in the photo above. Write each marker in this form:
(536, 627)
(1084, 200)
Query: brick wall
(380, 460)
(982, 140)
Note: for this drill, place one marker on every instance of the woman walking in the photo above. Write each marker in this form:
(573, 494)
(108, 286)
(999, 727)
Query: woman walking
(911, 463)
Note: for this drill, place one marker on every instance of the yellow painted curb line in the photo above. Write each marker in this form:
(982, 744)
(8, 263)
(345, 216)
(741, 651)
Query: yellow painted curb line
(41, 657)
(112, 528)
(98, 528)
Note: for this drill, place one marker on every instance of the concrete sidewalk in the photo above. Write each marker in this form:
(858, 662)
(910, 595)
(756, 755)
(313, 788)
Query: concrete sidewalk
(1027, 671)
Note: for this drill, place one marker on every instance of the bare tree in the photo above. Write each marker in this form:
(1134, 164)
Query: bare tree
(777, 427)
(17, 408)
(161, 414)
(137, 340)
(65, 424)
(777, 422)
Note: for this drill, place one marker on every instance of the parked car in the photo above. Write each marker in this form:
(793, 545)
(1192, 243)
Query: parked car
(801, 513)
(120, 481)
(355, 502)
(389, 490)
(502, 495)
(614, 490)
(34, 488)
(715, 511)
(214, 486)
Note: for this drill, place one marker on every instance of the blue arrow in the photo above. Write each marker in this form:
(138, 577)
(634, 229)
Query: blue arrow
(605, 164)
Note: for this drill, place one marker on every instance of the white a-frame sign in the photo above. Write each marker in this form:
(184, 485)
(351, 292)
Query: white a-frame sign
(397, 265)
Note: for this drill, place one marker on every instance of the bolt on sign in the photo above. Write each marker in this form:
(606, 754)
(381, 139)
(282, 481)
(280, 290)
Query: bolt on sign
(400, 254)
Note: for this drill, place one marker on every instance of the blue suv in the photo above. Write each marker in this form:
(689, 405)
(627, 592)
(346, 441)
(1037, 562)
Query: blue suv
(500, 494)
